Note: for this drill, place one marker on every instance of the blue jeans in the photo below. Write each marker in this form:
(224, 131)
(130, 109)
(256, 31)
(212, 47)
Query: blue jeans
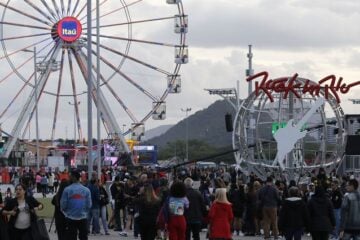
(103, 218)
(337, 213)
(93, 219)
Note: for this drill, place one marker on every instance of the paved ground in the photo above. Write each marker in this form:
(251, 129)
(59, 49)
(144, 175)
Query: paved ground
(115, 235)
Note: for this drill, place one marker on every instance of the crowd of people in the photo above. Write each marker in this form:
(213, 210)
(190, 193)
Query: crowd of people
(153, 205)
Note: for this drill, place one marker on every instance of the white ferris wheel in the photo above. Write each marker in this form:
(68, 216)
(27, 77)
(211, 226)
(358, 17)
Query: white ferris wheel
(44, 65)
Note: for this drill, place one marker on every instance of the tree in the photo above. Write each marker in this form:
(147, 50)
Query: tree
(197, 149)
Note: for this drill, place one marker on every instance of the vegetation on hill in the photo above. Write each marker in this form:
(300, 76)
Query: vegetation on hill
(206, 133)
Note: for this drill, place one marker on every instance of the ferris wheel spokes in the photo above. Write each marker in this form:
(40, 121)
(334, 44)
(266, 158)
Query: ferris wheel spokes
(73, 82)
(147, 93)
(112, 91)
(30, 104)
(58, 94)
(16, 96)
(49, 9)
(75, 7)
(53, 19)
(134, 59)
(133, 22)
(56, 7)
(25, 14)
(101, 102)
(111, 12)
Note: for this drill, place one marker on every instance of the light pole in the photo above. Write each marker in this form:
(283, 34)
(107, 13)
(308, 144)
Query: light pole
(89, 87)
(73, 104)
(186, 110)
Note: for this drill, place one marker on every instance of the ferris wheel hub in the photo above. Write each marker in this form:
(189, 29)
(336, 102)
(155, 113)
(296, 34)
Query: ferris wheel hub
(68, 29)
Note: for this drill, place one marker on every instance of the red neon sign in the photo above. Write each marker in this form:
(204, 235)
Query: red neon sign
(329, 84)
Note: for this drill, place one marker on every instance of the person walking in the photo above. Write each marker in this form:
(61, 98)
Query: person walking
(44, 184)
(148, 208)
(293, 216)
(350, 212)
(117, 194)
(75, 203)
(21, 210)
(321, 211)
(336, 199)
(269, 199)
(58, 214)
(104, 201)
(220, 216)
(194, 214)
(250, 228)
(51, 182)
(177, 204)
(237, 199)
(94, 213)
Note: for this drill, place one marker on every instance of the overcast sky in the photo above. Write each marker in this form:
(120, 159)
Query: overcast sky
(313, 38)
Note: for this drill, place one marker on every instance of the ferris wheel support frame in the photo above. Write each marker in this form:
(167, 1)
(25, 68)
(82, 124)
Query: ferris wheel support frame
(101, 103)
(29, 105)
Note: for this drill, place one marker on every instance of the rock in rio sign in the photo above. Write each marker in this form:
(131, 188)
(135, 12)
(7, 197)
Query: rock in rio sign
(329, 84)
(69, 29)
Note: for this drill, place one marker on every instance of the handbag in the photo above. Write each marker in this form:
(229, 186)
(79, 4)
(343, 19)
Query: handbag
(104, 201)
(38, 230)
(163, 215)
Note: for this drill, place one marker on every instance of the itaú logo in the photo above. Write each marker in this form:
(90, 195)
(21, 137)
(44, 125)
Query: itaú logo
(69, 29)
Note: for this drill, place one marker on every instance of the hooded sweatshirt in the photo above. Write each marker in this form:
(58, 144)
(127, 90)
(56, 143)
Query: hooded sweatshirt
(293, 214)
(321, 213)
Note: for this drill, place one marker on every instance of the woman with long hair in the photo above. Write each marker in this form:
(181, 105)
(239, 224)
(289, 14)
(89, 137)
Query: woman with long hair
(220, 216)
(148, 206)
(177, 203)
(250, 226)
(58, 214)
(237, 199)
(21, 210)
(104, 201)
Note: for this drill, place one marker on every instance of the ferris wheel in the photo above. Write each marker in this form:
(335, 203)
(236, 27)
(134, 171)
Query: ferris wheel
(44, 65)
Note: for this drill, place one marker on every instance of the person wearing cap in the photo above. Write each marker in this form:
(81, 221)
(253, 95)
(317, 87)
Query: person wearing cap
(76, 203)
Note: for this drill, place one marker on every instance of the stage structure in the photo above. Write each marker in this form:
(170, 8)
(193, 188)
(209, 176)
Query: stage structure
(296, 126)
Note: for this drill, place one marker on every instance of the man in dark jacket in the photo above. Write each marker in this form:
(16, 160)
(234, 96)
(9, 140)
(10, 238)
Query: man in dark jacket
(269, 199)
(294, 216)
(94, 213)
(350, 212)
(117, 194)
(194, 214)
(321, 211)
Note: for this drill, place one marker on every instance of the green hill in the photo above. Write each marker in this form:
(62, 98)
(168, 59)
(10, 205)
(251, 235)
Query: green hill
(206, 125)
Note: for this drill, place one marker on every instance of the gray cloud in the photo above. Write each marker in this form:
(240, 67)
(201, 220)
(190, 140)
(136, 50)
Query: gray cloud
(273, 24)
